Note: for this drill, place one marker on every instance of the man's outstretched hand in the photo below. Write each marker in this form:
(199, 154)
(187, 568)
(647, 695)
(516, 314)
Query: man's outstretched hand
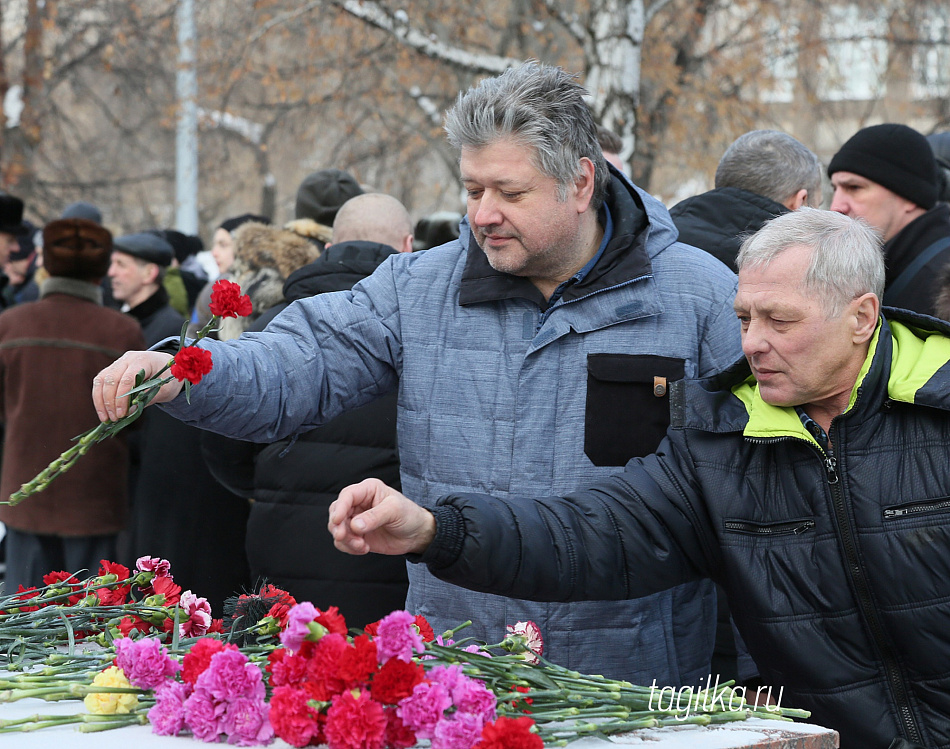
(371, 516)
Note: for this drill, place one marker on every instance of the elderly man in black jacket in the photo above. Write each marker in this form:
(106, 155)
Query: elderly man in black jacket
(810, 480)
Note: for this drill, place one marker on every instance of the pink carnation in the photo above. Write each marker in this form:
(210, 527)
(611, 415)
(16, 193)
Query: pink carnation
(471, 697)
(355, 722)
(397, 637)
(230, 676)
(161, 567)
(422, 710)
(297, 629)
(246, 723)
(462, 731)
(167, 716)
(145, 662)
(195, 615)
(204, 716)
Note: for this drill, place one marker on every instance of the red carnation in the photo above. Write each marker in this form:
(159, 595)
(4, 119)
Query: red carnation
(227, 300)
(198, 658)
(117, 595)
(333, 620)
(510, 733)
(131, 623)
(395, 680)
(25, 594)
(67, 580)
(355, 722)
(398, 734)
(359, 662)
(191, 363)
(425, 629)
(168, 588)
(293, 720)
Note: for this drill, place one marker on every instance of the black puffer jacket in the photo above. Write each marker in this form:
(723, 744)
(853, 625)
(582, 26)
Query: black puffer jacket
(838, 575)
(293, 481)
(717, 221)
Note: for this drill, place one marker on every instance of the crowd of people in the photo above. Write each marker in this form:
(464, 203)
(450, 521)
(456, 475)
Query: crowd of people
(634, 426)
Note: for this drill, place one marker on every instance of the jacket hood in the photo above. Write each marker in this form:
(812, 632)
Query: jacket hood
(337, 269)
(642, 228)
(911, 350)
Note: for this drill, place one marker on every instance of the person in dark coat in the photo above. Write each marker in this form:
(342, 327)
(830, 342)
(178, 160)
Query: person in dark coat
(293, 481)
(763, 174)
(11, 226)
(179, 512)
(49, 350)
(887, 175)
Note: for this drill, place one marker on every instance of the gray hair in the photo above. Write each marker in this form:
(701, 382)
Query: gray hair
(540, 106)
(847, 259)
(772, 164)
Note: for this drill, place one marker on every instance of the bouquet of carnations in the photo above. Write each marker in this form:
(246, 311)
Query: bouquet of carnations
(137, 650)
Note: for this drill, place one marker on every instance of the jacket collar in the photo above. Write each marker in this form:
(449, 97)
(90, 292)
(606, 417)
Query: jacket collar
(901, 249)
(908, 361)
(71, 287)
(637, 218)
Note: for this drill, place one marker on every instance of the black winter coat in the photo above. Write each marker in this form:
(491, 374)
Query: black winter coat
(900, 251)
(293, 481)
(838, 573)
(718, 220)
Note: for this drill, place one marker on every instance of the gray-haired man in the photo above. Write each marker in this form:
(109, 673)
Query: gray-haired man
(532, 355)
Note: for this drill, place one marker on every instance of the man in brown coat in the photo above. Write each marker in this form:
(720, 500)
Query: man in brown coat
(49, 350)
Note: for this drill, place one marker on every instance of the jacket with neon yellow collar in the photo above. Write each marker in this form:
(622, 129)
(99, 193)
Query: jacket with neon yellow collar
(837, 568)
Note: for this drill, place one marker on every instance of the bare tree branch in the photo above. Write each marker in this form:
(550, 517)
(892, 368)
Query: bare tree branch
(398, 25)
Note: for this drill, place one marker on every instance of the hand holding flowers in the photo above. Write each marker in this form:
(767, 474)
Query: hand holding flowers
(187, 367)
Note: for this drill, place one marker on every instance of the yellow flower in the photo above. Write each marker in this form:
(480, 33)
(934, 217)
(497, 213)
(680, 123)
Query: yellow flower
(110, 703)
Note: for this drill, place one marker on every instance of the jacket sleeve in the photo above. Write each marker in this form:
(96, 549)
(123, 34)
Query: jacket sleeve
(637, 533)
(319, 357)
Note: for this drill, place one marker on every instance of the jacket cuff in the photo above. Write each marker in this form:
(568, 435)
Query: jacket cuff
(446, 547)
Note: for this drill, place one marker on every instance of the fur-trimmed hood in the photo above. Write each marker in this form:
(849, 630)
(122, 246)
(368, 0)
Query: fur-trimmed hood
(263, 258)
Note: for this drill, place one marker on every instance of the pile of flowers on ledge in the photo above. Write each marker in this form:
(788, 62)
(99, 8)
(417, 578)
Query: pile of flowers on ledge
(137, 650)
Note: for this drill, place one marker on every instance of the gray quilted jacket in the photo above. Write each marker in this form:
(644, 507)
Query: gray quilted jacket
(500, 394)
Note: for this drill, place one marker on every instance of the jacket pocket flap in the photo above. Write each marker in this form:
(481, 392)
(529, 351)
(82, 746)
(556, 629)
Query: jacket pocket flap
(634, 368)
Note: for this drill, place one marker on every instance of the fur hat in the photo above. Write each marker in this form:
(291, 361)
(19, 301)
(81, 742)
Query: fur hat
(321, 194)
(894, 156)
(77, 248)
(11, 214)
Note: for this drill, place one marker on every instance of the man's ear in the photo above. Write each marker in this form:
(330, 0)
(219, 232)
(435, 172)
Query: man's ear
(584, 185)
(797, 200)
(866, 309)
(153, 272)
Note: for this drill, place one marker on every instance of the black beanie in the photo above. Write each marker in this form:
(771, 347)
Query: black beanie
(896, 157)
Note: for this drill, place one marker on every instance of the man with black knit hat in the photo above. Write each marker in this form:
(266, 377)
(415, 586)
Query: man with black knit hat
(887, 175)
(319, 197)
(48, 351)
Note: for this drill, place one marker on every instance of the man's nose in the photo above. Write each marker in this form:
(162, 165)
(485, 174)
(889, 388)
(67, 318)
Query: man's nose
(487, 213)
(839, 203)
(753, 339)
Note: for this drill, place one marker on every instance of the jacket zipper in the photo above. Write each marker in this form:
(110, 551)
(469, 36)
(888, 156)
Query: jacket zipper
(866, 603)
(792, 527)
(934, 505)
